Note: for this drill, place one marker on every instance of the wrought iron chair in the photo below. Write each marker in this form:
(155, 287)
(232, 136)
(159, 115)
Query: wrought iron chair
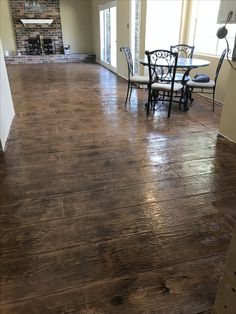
(209, 87)
(162, 69)
(132, 79)
(184, 51)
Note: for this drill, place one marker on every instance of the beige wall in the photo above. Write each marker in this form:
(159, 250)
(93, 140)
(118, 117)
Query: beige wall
(77, 25)
(6, 27)
(228, 117)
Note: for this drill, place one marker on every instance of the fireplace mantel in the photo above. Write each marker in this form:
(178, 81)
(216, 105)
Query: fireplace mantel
(36, 21)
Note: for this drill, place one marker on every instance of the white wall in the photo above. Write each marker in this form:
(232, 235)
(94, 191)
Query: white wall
(6, 105)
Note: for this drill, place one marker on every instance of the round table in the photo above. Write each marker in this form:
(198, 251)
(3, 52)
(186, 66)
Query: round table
(182, 63)
(186, 64)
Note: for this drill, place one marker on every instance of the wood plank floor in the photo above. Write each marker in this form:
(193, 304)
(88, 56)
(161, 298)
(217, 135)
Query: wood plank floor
(105, 210)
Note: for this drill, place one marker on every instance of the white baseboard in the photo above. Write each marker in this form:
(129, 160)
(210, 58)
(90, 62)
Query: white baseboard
(229, 139)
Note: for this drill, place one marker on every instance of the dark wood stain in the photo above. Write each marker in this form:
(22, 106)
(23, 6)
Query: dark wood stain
(167, 291)
(103, 210)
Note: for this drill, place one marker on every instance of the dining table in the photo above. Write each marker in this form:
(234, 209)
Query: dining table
(186, 65)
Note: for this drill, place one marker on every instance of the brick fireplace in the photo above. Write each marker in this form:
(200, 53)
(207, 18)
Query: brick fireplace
(38, 30)
(26, 34)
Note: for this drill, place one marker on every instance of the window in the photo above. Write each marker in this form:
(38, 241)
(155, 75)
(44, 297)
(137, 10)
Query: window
(204, 26)
(108, 34)
(163, 23)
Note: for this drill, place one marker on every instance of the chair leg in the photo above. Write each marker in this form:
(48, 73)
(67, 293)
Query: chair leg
(147, 105)
(191, 95)
(157, 98)
(170, 104)
(127, 92)
(181, 97)
(164, 95)
(131, 87)
(154, 98)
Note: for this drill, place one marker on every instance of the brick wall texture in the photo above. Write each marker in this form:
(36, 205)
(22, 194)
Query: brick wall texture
(50, 10)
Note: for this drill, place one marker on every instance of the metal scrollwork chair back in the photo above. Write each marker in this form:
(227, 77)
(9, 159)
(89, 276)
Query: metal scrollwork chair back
(220, 64)
(129, 60)
(132, 79)
(184, 51)
(162, 69)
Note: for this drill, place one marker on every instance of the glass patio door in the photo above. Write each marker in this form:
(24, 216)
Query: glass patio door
(108, 45)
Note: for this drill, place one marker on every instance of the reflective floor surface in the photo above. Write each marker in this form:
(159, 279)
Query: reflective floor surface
(105, 210)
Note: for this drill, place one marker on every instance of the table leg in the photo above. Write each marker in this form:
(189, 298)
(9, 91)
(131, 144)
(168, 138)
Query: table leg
(185, 94)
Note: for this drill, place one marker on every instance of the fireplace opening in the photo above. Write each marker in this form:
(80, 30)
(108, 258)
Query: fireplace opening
(39, 46)
(48, 46)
